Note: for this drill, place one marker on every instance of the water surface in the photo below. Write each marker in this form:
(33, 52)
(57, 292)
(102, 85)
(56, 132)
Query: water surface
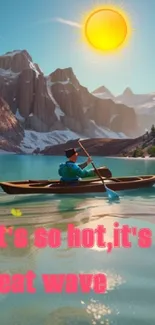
(130, 272)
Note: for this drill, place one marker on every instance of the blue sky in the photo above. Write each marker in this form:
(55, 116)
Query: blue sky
(37, 26)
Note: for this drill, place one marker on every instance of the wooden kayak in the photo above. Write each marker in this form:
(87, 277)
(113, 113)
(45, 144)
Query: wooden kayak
(84, 186)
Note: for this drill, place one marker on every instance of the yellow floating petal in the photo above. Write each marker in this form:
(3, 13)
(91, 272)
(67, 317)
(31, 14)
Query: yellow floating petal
(16, 212)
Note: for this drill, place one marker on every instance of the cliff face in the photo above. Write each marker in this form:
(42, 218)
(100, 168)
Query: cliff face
(23, 86)
(116, 117)
(11, 132)
(81, 108)
(57, 99)
(58, 102)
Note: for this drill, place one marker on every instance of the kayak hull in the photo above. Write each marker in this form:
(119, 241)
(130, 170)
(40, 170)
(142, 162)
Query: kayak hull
(86, 186)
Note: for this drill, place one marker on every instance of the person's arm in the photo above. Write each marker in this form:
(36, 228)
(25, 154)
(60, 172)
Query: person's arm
(82, 173)
(86, 163)
(83, 165)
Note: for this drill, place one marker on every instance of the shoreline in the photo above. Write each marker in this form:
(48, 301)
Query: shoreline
(3, 153)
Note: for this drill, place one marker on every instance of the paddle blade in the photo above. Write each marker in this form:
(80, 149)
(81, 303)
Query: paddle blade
(111, 194)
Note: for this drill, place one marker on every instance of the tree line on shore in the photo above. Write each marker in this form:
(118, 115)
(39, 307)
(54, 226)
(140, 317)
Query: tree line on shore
(146, 146)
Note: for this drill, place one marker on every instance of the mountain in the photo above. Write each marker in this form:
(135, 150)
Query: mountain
(143, 105)
(103, 93)
(56, 108)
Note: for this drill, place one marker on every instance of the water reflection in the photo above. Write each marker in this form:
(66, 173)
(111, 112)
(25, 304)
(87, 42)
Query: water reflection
(37, 208)
(98, 312)
(68, 316)
(28, 315)
(126, 285)
(92, 313)
(82, 310)
(77, 208)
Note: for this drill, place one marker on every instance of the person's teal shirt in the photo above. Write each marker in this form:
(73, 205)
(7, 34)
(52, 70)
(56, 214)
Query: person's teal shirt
(71, 172)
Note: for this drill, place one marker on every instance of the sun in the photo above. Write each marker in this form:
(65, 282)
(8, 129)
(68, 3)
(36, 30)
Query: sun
(106, 29)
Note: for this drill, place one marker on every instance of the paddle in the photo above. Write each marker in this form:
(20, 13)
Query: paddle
(111, 194)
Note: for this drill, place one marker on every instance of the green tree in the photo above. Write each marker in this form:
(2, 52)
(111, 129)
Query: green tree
(151, 151)
(138, 152)
(153, 130)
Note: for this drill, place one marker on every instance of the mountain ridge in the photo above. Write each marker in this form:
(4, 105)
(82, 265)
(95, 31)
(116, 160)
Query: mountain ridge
(59, 103)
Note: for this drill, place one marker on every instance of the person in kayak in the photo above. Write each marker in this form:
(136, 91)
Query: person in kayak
(70, 171)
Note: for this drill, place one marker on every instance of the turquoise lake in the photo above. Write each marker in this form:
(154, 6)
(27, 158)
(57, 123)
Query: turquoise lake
(130, 295)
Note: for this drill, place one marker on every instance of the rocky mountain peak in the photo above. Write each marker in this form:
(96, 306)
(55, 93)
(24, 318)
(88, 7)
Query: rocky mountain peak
(17, 61)
(18, 53)
(64, 76)
(101, 89)
(127, 92)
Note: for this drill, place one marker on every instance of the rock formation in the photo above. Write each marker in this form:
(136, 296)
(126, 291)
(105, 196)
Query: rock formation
(58, 101)
(79, 105)
(11, 132)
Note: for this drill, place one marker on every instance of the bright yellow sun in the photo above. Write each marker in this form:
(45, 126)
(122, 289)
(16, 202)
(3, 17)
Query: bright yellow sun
(106, 29)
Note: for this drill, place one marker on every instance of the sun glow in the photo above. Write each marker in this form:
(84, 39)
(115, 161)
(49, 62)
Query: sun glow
(106, 29)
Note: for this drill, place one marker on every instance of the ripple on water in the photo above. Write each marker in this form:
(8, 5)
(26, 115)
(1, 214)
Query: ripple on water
(130, 293)
(39, 208)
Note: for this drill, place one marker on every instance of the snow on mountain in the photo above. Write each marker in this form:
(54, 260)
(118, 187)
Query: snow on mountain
(32, 66)
(59, 112)
(19, 117)
(49, 83)
(33, 139)
(65, 82)
(106, 133)
(8, 73)
(113, 117)
(13, 53)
